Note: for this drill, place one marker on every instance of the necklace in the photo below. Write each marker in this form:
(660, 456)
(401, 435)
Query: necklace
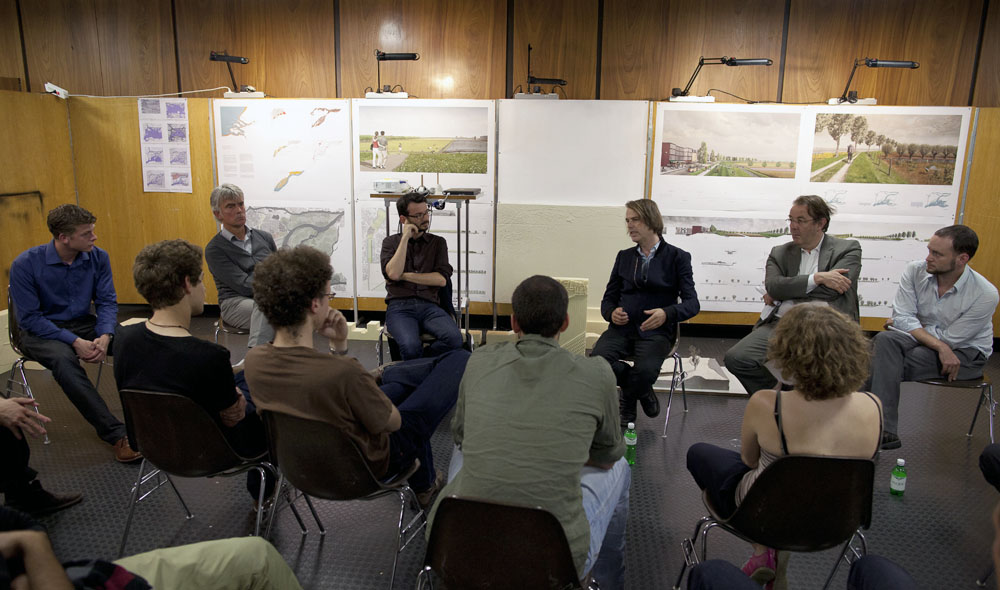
(168, 325)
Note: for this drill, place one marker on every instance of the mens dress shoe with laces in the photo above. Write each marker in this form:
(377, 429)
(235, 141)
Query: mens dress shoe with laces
(124, 453)
(37, 501)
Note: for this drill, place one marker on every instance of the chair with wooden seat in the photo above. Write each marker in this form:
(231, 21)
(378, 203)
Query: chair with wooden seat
(798, 503)
(176, 436)
(322, 462)
(482, 544)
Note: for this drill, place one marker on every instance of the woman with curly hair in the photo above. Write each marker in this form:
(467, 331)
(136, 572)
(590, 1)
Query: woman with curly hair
(825, 357)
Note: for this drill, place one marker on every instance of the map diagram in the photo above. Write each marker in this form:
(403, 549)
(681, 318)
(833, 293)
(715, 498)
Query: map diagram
(166, 149)
(322, 229)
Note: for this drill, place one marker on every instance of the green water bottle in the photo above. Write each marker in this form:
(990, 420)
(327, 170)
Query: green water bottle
(897, 481)
(630, 440)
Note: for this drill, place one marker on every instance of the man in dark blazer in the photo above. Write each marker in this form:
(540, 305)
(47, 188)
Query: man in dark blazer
(232, 255)
(813, 268)
(651, 289)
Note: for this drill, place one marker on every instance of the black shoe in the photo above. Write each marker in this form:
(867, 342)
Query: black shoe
(650, 405)
(890, 441)
(36, 501)
(627, 411)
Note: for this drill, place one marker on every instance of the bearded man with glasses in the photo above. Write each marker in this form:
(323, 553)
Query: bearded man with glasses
(813, 268)
(416, 268)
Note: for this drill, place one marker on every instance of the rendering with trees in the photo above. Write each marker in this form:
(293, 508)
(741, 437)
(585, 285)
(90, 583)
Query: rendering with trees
(885, 149)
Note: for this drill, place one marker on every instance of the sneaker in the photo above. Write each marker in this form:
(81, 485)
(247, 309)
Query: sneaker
(761, 567)
(124, 453)
(650, 405)
(37, 501)
(427, 496)
(890, 441)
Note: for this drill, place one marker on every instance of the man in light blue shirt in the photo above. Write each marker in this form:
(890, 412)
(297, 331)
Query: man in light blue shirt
(941, 324)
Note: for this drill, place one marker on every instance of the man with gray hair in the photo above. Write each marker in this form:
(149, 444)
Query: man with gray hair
(232, 255)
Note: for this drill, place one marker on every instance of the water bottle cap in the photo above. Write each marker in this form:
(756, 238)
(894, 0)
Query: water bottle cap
(900, 462)
(631, 425)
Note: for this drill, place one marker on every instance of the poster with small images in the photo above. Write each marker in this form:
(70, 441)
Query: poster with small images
(165, 145)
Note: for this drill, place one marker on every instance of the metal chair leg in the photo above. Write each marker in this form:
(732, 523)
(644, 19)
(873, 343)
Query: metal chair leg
(981, 580)
(985, 399)
(319, 523)
(274, 509)
(133, 500)
(678, 377)
(25, 389)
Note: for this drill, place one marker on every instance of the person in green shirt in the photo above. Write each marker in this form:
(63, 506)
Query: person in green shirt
(538, 425)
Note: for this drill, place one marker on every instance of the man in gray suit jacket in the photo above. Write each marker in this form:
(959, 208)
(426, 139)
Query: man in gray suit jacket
(812, 268)
(232, 255)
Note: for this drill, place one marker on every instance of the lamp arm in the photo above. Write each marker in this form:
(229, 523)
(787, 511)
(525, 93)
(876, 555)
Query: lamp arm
(843, 97)
(236, 87)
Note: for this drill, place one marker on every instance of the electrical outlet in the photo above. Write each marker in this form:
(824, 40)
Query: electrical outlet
(53, 89)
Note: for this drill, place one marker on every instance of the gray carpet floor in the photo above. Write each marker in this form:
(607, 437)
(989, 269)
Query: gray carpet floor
(939, 530)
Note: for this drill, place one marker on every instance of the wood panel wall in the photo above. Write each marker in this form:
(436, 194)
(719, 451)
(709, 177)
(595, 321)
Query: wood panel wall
(825, 36)
(11, 58)
(109, 179)
(642, 48)
(563, 37)
(651, 47)
(34, 156)
(461, 46)
(981, 211)
(988, 73)
(290, 45)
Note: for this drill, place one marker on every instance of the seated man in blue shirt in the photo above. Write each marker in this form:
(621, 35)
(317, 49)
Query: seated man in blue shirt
(941, 324)
(52, 287)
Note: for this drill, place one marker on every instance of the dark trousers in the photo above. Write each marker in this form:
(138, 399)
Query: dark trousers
(989, 463)
(718, 471)
(424, 391)
(15, 475)
(408, 318)
(249, 439)
(647, 353)
(898, 357)
(61, 359)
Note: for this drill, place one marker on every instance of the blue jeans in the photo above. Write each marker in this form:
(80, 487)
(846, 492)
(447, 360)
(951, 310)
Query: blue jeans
(605, 502)
(871, 572)
(424, 391)
(407, 318)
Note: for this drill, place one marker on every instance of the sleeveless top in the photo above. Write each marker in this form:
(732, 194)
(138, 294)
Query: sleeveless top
(766, 457)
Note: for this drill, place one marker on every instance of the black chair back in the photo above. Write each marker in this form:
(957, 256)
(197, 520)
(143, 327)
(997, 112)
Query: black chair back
(176, 434)
(317, 458)
(480, 544)
(806, 503)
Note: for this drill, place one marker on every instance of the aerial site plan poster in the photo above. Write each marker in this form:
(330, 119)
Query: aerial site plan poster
(725, 177)
(292, 158)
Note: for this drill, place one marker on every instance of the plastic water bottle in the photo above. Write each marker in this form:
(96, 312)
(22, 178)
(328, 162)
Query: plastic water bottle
(897, 481)
(630, 440)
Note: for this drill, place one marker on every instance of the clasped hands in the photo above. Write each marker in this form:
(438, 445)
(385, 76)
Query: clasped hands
(656, 318)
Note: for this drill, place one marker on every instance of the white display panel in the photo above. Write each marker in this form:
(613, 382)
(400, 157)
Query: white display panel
(725, 176)
(292, 160)
(572, 152)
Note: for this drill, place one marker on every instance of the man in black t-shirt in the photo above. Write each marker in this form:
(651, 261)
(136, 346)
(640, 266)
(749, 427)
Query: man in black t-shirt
(160, 354)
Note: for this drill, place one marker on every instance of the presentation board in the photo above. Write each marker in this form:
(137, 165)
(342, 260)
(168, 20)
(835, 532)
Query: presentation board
(572, 152)
(725, 177)
(292, 159)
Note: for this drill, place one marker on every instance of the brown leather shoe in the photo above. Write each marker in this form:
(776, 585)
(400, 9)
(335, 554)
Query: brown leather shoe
(427, 496)
(124, 453)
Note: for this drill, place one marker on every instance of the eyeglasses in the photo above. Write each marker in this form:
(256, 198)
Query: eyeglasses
(799, 220)
(330, 295)
(425, 215)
